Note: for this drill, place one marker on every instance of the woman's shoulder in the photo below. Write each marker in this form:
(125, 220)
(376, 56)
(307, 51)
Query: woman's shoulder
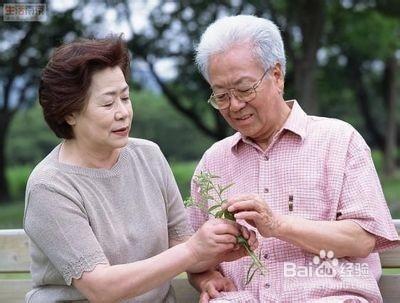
(141, 143)
(46, 171)
(143, 146)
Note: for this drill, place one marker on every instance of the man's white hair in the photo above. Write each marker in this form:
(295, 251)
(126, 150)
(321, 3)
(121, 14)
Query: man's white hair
(262, 34)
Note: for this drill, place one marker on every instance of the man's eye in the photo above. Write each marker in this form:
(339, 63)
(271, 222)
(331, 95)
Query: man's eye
(220, 97)
(108, 105)
(244, 90)
(125, 99)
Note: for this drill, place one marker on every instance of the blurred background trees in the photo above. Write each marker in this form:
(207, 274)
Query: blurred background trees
(343, 62)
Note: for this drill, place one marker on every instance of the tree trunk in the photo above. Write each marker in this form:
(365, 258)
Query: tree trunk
(354, 76)
(311, 22)
(5, 119)
(389, 85)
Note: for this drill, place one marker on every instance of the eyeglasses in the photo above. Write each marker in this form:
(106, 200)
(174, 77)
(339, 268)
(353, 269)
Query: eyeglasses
(243, 94)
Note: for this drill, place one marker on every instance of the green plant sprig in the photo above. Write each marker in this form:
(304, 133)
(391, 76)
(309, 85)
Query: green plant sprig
(207, 191)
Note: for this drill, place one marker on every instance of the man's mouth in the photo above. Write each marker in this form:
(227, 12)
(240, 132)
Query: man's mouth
(245, 117)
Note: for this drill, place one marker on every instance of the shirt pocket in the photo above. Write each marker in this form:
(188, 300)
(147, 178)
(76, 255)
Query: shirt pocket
(308, 203)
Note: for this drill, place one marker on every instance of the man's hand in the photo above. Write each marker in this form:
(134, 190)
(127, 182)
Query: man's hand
(210, 284)
(255, 212)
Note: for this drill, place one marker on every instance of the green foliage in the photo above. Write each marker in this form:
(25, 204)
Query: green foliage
(183, 172)
(11, 215)
(156, 120)
(212, 192)
(29, 138)
(17, 177)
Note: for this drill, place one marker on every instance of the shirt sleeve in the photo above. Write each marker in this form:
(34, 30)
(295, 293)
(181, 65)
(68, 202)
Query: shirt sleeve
(178, 227)
(196, 216)
(362, 199)
(59, 226)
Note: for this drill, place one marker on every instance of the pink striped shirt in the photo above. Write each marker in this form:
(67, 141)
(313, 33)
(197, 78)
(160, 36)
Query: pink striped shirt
(326, 166)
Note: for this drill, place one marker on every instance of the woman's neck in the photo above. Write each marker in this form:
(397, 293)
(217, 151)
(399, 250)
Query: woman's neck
(74, 153)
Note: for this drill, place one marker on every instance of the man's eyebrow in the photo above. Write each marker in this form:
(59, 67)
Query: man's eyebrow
(237, 82)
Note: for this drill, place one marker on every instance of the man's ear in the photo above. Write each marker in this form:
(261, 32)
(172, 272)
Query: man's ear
(278, 76)
(70, 119)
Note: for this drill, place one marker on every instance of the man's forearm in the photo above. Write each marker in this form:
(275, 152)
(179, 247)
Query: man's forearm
(197, 280)
(345, 238)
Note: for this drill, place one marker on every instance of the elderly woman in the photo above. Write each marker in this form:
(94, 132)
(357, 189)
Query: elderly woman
(103, 212)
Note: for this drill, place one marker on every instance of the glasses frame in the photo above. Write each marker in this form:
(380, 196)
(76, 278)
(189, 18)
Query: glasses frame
(211, 99)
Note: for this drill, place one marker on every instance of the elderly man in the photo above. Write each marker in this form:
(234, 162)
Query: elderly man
(307, 184)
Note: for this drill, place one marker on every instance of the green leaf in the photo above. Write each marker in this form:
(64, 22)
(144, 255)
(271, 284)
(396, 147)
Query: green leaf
(219, 214)
(214, 207)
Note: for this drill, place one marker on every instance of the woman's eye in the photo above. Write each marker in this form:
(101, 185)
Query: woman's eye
(108, 105)
(125, 99)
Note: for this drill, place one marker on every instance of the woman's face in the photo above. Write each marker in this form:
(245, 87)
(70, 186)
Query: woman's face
(105, 122)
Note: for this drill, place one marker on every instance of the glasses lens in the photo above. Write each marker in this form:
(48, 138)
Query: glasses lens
(219, 101)
(245, 95)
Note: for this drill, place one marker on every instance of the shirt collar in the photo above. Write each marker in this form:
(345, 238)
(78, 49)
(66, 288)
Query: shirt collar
(295, 123)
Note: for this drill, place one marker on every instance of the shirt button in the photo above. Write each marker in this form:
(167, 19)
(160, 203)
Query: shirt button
(266, 190)
(267, 285)
(266, 256)
(266, 158)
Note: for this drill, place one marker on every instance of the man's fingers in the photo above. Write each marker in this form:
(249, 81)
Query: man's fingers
(248, 216)
(245, 232)
(246, 205)
(229, 286)
(238, 199)
(204, 297)
(212, 291)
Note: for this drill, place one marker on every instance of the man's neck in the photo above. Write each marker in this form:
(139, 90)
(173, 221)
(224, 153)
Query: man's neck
(281, 118)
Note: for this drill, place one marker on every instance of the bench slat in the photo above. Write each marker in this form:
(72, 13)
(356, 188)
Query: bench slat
(14, 256)
(389, 286)
(390, 258)
(13, 291)
(184, 292)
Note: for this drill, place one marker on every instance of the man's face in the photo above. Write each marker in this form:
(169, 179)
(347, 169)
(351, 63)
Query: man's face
(237, 68)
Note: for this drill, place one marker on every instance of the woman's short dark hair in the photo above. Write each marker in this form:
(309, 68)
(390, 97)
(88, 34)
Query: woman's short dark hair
(66, 79)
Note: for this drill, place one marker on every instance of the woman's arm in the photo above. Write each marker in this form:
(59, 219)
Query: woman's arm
(113, 283)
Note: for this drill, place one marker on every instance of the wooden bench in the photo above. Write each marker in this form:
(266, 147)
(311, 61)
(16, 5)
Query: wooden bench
(14, 261)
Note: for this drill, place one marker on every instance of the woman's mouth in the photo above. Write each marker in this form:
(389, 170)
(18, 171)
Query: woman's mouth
(123, 131)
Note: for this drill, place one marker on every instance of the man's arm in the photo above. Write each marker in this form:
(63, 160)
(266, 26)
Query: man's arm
(345, 238)
(210, 284)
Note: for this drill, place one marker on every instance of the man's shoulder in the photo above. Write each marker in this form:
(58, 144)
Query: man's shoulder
(223, 146)
(329, 126)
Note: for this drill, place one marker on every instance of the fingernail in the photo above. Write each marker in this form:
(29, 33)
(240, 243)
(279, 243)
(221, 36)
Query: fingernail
(231, 208)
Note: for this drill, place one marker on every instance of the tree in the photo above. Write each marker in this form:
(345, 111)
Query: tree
(27, 47)
(368, 45)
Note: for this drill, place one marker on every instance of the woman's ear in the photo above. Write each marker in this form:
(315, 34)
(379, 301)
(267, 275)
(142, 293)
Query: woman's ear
(70, 119)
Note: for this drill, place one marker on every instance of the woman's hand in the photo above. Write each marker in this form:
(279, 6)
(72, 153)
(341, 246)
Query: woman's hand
(239, 251)
(213, 238)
